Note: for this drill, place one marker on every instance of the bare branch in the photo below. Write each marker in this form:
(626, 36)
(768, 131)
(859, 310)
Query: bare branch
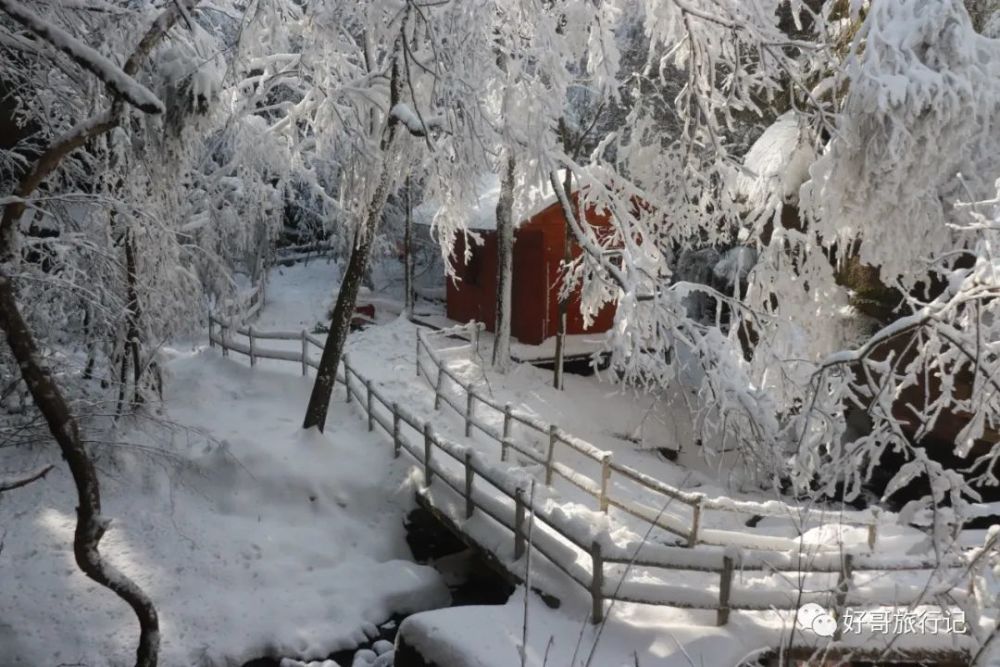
(12, 483)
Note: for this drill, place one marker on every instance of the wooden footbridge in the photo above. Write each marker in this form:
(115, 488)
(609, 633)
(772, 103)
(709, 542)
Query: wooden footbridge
(481, 495)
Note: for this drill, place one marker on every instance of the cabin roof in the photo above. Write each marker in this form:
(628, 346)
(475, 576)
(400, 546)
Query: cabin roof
(530, 198)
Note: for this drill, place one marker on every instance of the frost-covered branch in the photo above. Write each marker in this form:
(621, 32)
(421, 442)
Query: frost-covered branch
(414, 124)
(113, 76)
(46, 393)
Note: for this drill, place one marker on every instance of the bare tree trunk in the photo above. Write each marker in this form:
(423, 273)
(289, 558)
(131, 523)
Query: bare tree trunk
(505, 264)
(343, 311)
(347, 298)
(409, 299)
(133, 316)
(122, 381)
(90, 524)
(557, 377)
(88, 371)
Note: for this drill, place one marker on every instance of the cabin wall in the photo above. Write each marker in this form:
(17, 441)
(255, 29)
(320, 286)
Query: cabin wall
(553, 225)
(472, 293)
(538, 252)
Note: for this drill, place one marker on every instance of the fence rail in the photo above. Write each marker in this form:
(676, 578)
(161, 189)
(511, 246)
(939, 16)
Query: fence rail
(478, 487)
(690, 528)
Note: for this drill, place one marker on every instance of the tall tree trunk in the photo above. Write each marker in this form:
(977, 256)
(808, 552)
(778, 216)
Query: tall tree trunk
(409, 299)
(88, 370)
(133, 316)
(564, 295)
(505, 264)
(347, 298)
(343, 311)
(90, 524)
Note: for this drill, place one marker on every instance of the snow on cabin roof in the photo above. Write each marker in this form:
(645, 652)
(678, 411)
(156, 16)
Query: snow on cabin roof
(529, 198)
(776, 165)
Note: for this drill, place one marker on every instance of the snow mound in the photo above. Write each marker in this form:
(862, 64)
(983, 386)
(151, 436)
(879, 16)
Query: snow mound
(776, 165)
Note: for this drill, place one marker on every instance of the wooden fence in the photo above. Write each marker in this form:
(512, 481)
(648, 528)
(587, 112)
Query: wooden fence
(472, 406)
(455, 475)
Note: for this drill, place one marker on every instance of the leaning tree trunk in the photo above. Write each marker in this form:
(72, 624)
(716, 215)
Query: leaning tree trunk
(343, 311)
(90, 524)
(347, 298)
(505, 265)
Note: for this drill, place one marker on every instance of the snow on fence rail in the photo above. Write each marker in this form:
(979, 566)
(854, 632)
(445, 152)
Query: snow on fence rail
(289, 255)
(688, 528)
(243, 307)
(471, 488)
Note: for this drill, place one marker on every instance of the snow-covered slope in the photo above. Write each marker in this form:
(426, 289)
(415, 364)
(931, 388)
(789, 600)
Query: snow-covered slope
(252, 537)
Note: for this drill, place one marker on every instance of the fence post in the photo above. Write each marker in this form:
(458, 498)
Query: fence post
(469, 398)
(347, 379)
(518, 523)
(504, 444)
(222, 329)
(428, 443)
(695, 522)
(253, 357)
(873, 528)
(469, 474)
(549, 458)
(211, 330)
(597, 583)
(305, 356)
(605, 477)
(395, 430)
(725, 588)
(438, 386)
(843, 583)
(417, 357)
(371, 416)
(507, 419)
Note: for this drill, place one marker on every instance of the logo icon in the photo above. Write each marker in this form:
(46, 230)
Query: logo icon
(813, 617)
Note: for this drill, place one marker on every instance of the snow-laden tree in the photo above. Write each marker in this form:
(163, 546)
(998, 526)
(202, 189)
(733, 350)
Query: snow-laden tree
(120, 227)
(395, 74)
(49, 38)
(889, 127)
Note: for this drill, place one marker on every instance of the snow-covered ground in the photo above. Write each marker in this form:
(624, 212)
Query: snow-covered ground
(253, 537)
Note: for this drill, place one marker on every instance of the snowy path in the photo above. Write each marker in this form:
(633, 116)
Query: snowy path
(385, 355)
(253, 537)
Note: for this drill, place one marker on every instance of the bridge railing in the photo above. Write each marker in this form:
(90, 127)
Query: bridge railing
(464, 398)
(476, 486)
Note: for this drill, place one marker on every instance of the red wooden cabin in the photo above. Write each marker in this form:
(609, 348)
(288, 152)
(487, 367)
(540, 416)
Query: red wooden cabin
(538, 252)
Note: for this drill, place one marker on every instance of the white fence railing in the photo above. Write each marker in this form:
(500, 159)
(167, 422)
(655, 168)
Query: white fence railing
(473, 485)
